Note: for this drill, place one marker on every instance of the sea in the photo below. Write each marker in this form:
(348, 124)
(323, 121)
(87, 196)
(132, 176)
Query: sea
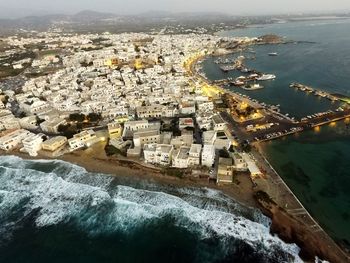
(54, 211)
(314, 164)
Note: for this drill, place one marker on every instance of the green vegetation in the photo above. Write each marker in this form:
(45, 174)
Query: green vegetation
(67, 130)
(111, 150)
(173, 172)
(94, 117)
(223, 153)
(77, 117)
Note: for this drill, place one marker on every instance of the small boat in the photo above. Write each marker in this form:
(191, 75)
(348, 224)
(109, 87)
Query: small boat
(273, 54)
(254, 86)
(266, 77)
(238, 83)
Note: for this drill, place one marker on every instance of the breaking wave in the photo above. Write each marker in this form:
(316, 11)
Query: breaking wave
(55, 193)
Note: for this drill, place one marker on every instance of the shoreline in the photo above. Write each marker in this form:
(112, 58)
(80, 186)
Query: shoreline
(288, 227)
(112, 166)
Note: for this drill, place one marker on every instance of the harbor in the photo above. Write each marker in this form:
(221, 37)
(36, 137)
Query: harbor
(283, 126)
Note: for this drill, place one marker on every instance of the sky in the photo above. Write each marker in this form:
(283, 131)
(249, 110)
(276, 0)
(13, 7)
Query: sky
(235, 7)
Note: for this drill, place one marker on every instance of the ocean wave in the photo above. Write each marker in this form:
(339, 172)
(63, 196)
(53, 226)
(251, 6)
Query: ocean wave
(64, 193)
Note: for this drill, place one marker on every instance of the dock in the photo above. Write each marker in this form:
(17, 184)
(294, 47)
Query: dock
(314, 91)
(282, 194)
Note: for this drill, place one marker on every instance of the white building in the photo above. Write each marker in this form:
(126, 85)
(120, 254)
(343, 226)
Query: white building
(13, 139)
(218, 123)
(154, 111)
(83, 139)
(30, 123)
(180, 158)
(251, 164)
(51, 126)
(146, 137)
(208, 155)
(186, 123)
(32, 144)
(240, 164)
(209, 137)
(158, 153)
(194, 155)
(183, 140)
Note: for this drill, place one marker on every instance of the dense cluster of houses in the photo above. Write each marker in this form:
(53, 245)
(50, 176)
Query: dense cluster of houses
(137, 84)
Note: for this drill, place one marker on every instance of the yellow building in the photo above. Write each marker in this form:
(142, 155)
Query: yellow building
(54, 143)
(115, 130)
(121, 119)
(111, 62)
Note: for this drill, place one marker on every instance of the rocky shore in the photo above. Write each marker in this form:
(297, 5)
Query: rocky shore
(292, 230)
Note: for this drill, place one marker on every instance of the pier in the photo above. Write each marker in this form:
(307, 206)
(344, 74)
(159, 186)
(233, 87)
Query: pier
(314, 91)
(272, 183)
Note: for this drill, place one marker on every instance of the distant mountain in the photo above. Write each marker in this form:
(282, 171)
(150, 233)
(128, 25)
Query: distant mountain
(88, 17)
(92, 15)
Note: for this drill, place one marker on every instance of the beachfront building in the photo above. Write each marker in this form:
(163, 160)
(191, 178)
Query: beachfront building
(134, 152)
(83, 139)
(240, 164)
(225, 171)
(13, 139)
(208, 155)
(119, 143)
(158, 154)
(32, 143)
(180, 158)
(194, 155)
(54, 144)
(115, 130)
(251, 164)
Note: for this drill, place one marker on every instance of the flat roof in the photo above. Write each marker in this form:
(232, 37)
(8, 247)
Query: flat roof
(183, 153)
(55, 139)
(218, 119)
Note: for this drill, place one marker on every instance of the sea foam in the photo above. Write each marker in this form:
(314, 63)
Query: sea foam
(62, 193)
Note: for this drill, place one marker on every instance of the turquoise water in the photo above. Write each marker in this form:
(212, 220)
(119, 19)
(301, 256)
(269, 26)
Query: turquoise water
(315, 164)
(322, 60)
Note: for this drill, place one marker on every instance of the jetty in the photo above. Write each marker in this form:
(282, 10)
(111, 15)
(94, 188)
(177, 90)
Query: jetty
(314, 91)
(286, 127)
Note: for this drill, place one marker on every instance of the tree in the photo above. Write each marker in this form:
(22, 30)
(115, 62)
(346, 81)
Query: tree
(224, 153)
(77, 117)
(63, 128)
(94, 117)
(246, 147)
